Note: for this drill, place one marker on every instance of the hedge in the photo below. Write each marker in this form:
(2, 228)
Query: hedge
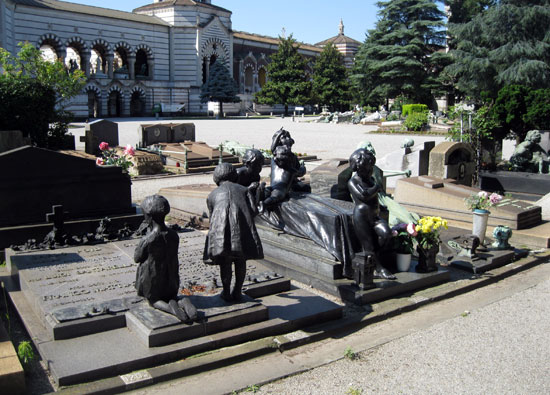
(408, 109)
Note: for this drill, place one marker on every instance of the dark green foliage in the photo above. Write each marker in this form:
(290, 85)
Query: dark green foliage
(399, 57)
(416, 121)
(509, 108)
(287, 81)
(330, 83)
(408, 109)
(28, 106)
(538, 111)
(220, 86)
(463, 11)
(507, 44)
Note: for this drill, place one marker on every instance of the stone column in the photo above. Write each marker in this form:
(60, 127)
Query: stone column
(110, 60)
(255, 81)
(241, 76)
(131, 66)
(125, 108)
(85, 62)
(151, 68)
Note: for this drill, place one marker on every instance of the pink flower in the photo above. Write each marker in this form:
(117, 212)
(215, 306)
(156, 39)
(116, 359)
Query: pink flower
(99, 161)
(495, 198)
(394, 233)
(411, 229)
(129, 150)
(104, 146)
(483, 194)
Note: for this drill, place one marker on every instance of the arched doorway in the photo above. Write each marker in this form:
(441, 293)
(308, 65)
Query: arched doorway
(137, 104)
(114, 104)
(262, 77)
(141, 68)
(94, 105)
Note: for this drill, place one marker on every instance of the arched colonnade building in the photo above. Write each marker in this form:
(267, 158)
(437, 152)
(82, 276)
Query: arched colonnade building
(159, 53)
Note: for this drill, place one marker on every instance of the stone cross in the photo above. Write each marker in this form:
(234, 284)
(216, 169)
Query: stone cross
(56, 217)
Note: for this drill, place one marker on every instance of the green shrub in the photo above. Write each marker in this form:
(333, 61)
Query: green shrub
(416, 121)
(413, 108)
(398, 103)
(392, 117)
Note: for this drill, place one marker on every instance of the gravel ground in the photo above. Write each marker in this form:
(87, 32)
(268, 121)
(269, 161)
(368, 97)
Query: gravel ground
(501, 348)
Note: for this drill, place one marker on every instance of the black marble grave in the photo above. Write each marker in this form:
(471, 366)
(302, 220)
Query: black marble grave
(39, 179)
(97, 132)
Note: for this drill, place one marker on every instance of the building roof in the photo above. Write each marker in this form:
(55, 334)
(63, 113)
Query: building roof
(90, 10)
(271, 40)
(168, 3)
(339, 39)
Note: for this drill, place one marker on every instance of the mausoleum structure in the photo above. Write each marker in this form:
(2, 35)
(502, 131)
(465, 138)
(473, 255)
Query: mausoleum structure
(159, 53)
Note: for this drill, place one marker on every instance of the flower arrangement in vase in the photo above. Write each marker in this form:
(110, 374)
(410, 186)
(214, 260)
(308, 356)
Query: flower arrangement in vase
(111, 157)
(482, 200)
(428, 240)
(480, 203)
(403, 244)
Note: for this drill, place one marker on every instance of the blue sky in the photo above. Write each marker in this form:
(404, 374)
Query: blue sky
(308, 21)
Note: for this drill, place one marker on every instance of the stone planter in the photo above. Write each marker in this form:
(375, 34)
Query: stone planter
(479, 224)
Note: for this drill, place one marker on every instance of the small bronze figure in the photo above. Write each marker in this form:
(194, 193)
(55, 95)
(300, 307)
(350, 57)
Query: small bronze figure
(253, 161)
(232, 237)
(157, 277)
(372, 231)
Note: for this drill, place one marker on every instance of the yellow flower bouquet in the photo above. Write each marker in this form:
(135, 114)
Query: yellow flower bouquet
(428, 229)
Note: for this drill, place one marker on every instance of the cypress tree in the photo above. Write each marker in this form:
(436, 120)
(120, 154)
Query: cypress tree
(287, 80)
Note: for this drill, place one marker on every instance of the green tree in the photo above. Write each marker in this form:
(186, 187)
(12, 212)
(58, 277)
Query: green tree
(462, 11)
(33, 93)
(220, 86)
(509, 43)
(330, 84)
(29, 64)
(287, 80)
(399, 56)
(538, 110)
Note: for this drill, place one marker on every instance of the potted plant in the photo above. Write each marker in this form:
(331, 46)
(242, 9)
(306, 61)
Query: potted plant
(403, 244)
(428, 240)
(479, 203)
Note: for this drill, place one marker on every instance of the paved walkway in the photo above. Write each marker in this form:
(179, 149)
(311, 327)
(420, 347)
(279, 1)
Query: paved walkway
(490, 341)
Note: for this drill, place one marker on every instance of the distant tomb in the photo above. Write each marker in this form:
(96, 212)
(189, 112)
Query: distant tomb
(166, 133)
(97, 132)
(452, 160)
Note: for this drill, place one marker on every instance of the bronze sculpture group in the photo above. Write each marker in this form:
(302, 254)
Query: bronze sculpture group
(232, 237)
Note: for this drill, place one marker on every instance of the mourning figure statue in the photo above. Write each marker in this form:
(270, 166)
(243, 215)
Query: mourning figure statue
(232, 238)
(529, 155)
(253, 161)
(157, 277)
(283, 175)
(372, 232)
(282, 138)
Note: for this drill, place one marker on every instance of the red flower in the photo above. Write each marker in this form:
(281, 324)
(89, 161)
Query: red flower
(104, 146)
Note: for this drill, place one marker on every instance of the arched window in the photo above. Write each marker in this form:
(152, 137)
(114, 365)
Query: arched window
(262, 77)
(141, 67)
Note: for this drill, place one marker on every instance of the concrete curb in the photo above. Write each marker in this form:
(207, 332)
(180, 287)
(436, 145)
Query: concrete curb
(230, 355)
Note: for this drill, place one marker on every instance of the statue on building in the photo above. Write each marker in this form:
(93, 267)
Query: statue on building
(157, 277)
(232, 238)
(529, 156)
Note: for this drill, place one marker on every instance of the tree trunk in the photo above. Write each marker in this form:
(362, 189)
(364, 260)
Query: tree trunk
(221, 109)
(286, 110)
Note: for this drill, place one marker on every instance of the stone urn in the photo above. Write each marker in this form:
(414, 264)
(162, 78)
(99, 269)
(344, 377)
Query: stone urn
(479, 224)
(427, 259)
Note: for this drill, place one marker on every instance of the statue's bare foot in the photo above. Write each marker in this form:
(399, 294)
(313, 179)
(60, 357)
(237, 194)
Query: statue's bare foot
(189, 308)
(383, 273)
(175, 309)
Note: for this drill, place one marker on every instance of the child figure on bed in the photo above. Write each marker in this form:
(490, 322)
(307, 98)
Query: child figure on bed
(372, 231)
